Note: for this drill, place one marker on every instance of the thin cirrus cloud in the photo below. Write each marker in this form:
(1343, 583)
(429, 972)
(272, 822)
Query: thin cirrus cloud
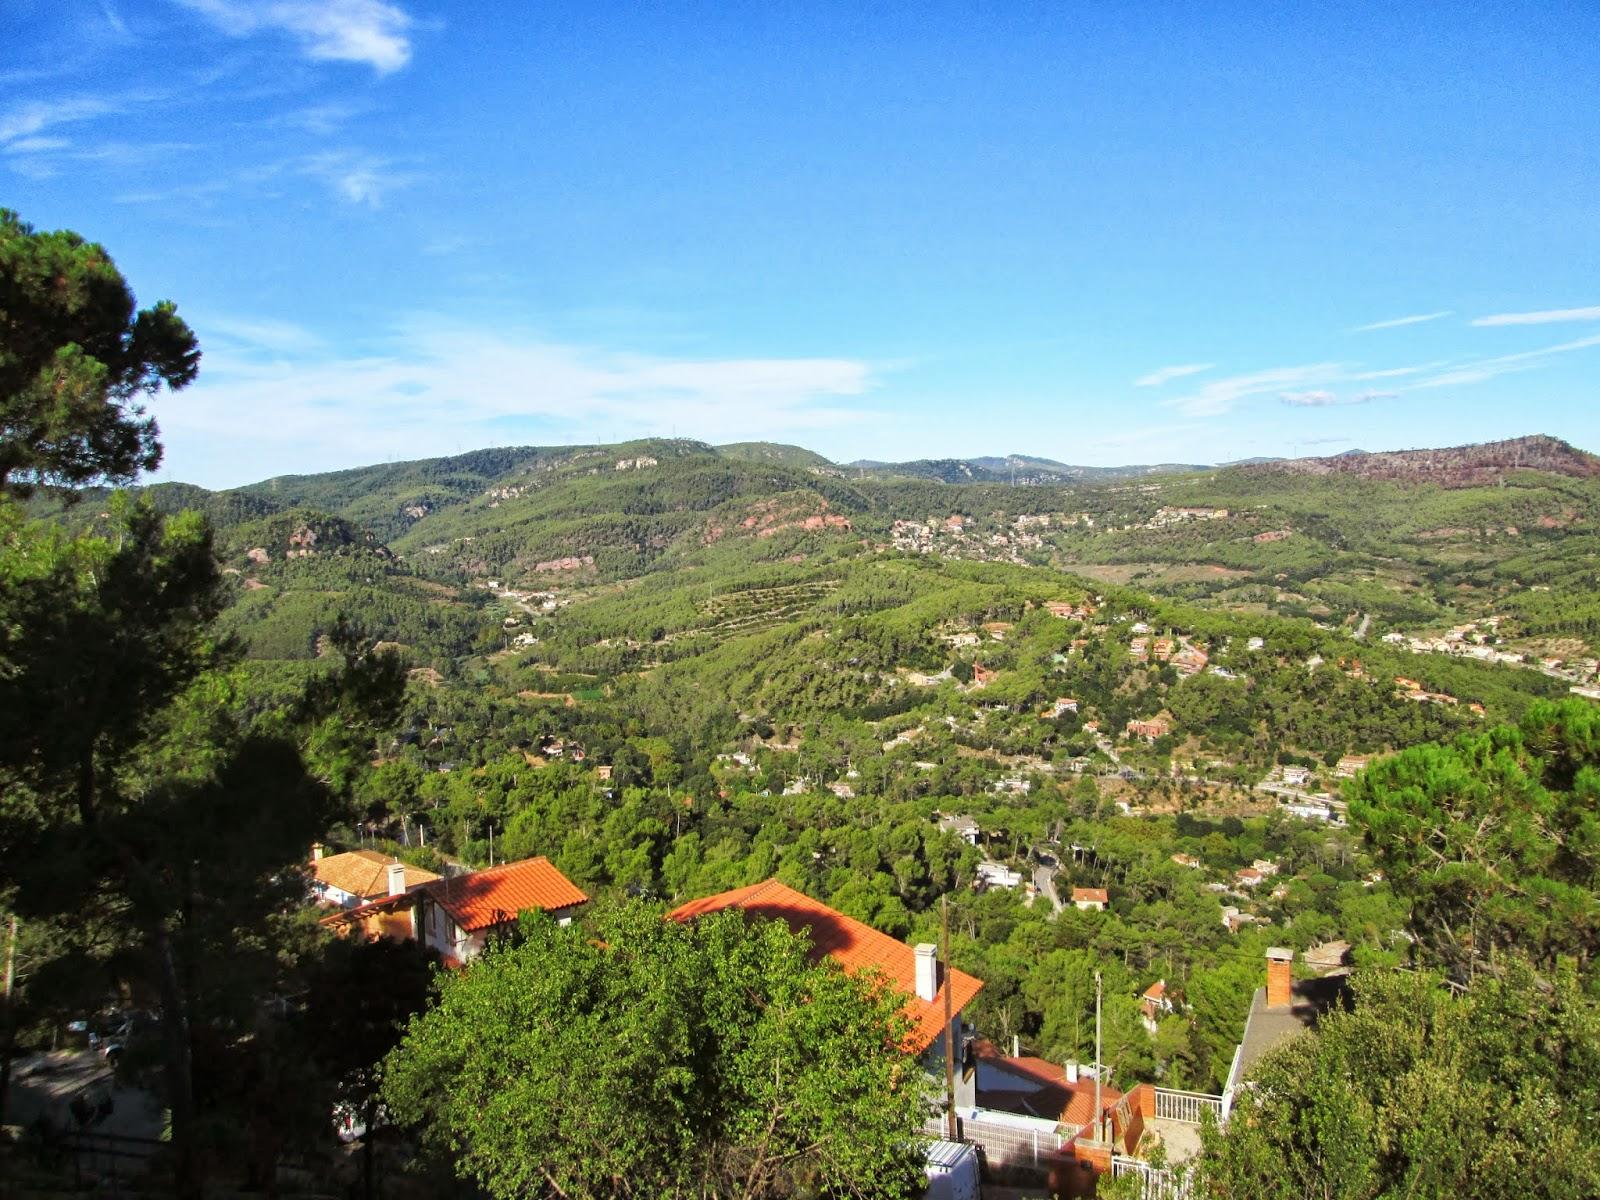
(21, 124)
(1397, 322)
(1224, 395)
(371, 32)
(1478, 370)
(273, 390)
(1167, 374)
(1553, 316)
(1322, 398)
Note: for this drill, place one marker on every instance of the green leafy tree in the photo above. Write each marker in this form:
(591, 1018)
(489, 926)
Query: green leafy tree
(1494, 838)
(648, 1057)
(75, 357)
(1423, 1093)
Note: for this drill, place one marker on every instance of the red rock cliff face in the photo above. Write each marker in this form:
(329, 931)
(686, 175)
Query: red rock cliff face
(1456, 466)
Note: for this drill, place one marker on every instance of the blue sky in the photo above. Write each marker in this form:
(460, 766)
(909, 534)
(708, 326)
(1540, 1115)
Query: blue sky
(1102, 234)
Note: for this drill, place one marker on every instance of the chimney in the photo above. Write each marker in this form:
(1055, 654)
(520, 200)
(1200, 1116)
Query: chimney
(1016, 1046)
(316, 851)
(927, 971)
(1072, 1072)
(1280, 976)
(397, 878)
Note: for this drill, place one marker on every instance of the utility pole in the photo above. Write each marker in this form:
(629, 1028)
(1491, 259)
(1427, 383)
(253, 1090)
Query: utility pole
(1099, 1121)
(949, 1018)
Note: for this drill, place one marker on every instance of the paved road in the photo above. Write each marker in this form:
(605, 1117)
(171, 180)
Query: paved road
(1044, 880)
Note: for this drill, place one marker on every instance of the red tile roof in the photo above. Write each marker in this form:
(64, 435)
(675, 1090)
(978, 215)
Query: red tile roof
(1089, 894)
(854, 945)
(488, 897)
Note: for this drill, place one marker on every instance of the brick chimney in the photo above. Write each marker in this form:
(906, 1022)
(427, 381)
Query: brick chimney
(927, 971)
(397, 879)
(1280, 976)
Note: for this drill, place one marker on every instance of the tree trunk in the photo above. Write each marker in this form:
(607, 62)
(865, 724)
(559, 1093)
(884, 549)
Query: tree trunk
(179, 1066)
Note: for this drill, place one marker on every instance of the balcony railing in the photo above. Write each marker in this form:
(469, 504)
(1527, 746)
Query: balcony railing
(1155, 1183)
(1185, 1106)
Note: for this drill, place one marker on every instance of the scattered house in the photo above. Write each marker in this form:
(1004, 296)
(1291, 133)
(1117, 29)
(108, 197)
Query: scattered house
(1149, 730)
(963, 827)
(1187, 860)
(1296, 776)
(1012, 785)
(1162, 649)
(914, 972)
(1256, 643)
(994, 874)
(1086, 899)
(1139, 627)
(1069, 611)
(603, 772)
(1283, 1009)
(1139, 649)
(359, 876)
(1248, 877)
(1064, 704)
(1233, 920)
(1091, 726)
(962, 639)
(1352, 765)
(1154, 1004)
(1266, 867)
(459, 914)
(982, 676)
(997, 629)
(1038, 1087)
(842, 790)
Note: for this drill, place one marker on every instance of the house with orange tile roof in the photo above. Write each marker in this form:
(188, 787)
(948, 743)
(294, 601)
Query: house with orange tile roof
(914, 971)
(1090, 898)
(457, 915)
(359, 876)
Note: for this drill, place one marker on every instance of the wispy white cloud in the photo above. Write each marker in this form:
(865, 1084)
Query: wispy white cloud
(1167, 374)
(355, 177)
(1552, 316)
(36, 145)
(1488, 368)
(372, 32)
(257, 334)
(435, 383)
(35, 116)
(1223, 395)
(1397, 322)
(1398, 372)
(1323, 398)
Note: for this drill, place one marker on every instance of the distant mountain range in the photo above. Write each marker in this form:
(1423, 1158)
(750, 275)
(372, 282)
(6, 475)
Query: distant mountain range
(1452, 466)
(1013, 468)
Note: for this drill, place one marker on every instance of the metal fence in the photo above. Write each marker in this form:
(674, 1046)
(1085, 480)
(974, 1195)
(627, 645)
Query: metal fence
(1185, 1106)
(1155, 1183)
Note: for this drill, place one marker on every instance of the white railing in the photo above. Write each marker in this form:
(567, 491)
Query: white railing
(1006, 1139)
(1155, 1183)
(1185, 1106)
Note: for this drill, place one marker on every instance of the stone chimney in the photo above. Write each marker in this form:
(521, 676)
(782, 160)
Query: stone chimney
(1280, 976)
(927, 971)
(397, 879)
